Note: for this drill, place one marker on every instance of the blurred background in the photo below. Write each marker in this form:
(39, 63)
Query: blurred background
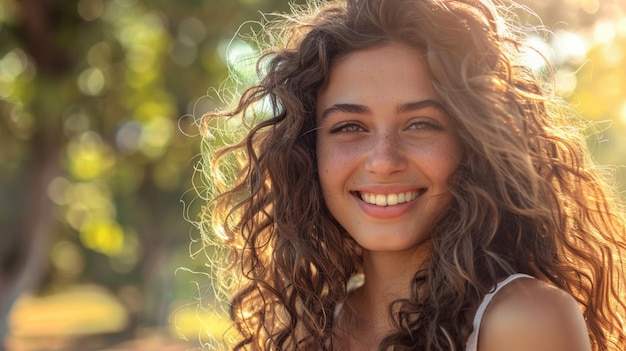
(98, 149)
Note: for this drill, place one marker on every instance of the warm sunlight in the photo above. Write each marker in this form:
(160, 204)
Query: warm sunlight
(99, 178)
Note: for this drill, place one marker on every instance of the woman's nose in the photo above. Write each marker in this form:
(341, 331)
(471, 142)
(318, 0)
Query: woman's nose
(386, 156)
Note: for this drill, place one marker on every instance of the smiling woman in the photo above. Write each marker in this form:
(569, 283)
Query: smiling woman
(384, 137)
(408, 144)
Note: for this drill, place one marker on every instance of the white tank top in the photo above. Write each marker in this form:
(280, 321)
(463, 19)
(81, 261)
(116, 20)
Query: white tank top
(472, 341)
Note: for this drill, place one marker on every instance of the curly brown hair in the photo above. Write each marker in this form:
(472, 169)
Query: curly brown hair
(526, 196)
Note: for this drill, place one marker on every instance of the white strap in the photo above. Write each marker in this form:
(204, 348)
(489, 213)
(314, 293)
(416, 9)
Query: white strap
(472, 341)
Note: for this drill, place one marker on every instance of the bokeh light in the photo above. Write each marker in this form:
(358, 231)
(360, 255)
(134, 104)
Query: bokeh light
(89, 157)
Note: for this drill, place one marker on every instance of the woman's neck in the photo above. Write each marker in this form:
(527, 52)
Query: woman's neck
(388, 277)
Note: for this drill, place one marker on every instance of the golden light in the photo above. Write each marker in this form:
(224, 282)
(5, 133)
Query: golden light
(78, 310)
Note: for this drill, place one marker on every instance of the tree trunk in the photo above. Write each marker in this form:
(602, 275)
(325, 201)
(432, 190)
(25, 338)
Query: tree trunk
(27, 251)
(24, 250)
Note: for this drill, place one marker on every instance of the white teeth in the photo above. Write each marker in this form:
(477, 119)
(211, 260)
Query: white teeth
(388, 199)
(392, 199)
(381, 200)
(401, 198)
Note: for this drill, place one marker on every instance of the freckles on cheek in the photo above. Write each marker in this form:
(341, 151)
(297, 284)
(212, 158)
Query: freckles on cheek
(454, 154)
(441, 159)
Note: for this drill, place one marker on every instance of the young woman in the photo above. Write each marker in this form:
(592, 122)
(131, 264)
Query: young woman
(408, 147)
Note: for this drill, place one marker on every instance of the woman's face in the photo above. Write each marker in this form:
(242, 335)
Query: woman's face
(385, 148)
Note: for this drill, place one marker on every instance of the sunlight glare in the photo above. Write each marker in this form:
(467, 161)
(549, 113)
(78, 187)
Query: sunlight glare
(535, 57)
(568, 47)
(604, 32)
(590, 6)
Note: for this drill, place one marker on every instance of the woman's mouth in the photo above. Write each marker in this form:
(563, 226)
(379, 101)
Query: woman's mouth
(389, 199)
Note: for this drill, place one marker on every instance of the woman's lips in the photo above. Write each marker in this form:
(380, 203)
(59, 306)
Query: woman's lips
(387, 205)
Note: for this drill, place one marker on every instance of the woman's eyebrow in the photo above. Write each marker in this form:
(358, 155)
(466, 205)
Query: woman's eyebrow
(419, 105)
(347, 108)
(362, 109)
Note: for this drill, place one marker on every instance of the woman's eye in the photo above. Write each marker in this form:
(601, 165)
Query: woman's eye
(348, 127)
(425, 124)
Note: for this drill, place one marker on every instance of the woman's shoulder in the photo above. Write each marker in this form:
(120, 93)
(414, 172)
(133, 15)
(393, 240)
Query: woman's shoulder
(529, 314)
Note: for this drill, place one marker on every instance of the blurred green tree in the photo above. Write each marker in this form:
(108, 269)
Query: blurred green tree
(98, 100)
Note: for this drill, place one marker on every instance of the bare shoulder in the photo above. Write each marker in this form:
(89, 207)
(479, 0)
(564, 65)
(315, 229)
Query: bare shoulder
(528, 314)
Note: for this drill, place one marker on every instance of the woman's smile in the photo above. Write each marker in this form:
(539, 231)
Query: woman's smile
(392, 199)
(387, 206)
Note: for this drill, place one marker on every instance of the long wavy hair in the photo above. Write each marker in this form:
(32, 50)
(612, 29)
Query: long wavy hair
(526, 197)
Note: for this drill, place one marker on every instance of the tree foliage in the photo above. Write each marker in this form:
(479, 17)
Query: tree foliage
(98, 142)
